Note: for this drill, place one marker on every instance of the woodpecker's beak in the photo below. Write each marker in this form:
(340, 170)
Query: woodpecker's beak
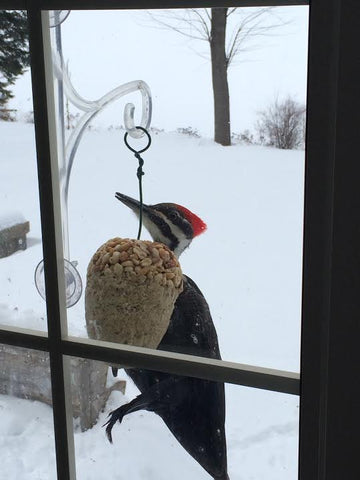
(133, 204)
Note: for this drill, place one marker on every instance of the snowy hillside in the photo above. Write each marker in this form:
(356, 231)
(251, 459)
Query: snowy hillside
(248, 265)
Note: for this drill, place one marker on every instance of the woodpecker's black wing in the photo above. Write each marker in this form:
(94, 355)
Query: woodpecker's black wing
(193, 409)
(191, 329)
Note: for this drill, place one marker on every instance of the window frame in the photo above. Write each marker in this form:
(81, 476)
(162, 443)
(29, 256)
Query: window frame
(330, 188)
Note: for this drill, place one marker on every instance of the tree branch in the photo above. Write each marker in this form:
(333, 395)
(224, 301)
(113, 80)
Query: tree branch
(183, 23)
(231, 11)
(196, 24)
(251, 26)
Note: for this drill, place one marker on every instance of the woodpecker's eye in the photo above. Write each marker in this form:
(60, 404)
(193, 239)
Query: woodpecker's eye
(174, 215)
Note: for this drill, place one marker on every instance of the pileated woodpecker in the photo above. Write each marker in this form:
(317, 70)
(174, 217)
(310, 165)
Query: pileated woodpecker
(193, 409)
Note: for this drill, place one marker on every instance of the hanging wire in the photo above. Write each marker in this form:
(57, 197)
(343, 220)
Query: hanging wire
(139, 173)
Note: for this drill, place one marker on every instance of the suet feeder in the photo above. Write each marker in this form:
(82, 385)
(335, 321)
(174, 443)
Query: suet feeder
(131, 289)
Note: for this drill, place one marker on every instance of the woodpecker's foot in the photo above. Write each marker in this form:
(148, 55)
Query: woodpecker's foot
(157, 397)
(115, 415)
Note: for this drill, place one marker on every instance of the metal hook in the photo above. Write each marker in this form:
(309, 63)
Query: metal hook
(143, 149)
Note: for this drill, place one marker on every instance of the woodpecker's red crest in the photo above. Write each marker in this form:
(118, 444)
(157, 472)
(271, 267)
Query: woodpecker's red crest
(197, 224)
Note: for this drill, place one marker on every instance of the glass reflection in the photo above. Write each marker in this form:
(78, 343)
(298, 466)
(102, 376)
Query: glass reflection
(248, 263)
(261, 433)
(26, 417)
(20, 229)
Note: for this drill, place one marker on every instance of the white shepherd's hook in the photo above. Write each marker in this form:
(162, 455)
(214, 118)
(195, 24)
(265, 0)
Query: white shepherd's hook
(67, 151)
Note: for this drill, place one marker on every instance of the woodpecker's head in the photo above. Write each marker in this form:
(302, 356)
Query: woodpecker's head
(168, 223)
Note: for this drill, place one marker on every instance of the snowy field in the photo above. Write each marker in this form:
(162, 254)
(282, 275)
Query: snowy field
(248, 265)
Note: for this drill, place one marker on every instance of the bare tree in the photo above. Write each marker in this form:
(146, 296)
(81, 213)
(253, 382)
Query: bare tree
(211, 26)
(281, 125)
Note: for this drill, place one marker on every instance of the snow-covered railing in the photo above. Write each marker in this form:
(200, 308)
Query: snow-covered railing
(13, 230)
(10, 219)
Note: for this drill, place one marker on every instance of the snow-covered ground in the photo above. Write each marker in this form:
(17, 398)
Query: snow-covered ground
(248, 265)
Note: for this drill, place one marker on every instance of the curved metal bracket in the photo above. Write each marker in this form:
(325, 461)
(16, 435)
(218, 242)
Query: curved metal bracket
(67, 151)
(92, 108)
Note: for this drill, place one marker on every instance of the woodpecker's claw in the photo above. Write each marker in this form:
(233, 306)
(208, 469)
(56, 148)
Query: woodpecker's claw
(115, 415)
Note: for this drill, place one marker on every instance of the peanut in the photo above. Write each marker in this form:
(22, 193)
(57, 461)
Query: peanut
(144, 270)
(127, 263)
(146, 262)
(140, 253)
(155, 252)
(164, 254)
(124, 256)
(118, 269)
(134, 258)
(115, 257)
(105, 258)
(124, 246)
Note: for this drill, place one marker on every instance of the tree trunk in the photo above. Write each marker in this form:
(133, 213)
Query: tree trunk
(219, 76)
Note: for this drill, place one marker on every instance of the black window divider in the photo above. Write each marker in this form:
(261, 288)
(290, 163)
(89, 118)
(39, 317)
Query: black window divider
(143, 4)
(331, 304)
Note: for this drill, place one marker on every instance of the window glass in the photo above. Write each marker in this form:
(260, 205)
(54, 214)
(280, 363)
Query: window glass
(250, 194)
(20, 229)
(261, 431)
(26, 417)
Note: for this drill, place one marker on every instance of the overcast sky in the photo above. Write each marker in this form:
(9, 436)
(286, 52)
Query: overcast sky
(108, 48)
